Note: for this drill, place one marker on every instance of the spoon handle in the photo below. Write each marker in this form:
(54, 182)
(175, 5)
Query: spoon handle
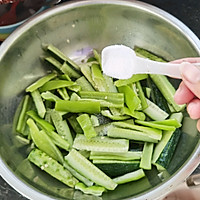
(152, 67)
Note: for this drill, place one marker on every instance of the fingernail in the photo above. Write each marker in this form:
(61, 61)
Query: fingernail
(190, 72)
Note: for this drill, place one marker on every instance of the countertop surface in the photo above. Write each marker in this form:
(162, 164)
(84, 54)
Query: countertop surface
(188, 11)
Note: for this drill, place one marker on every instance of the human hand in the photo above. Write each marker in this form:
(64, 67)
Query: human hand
(189, 89)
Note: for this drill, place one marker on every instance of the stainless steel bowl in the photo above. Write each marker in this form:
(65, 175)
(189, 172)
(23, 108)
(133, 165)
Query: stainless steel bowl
(73, 27)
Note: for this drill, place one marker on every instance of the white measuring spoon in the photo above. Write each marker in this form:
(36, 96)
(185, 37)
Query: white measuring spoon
(121, 62)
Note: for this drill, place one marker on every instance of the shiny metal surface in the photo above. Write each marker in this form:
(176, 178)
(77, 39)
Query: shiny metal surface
(72, 27)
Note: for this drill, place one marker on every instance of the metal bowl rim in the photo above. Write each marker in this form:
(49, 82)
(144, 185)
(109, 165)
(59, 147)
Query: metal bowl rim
(182, 173)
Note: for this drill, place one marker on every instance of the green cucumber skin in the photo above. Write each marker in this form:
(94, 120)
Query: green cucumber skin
(52, 167)
(89, 170)
(158, 98)
(118, 169)
(168, 152)
(166, 137)
(132, 176)
(167, 90)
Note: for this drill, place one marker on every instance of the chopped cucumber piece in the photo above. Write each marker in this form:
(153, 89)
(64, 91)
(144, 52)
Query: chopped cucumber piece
(56, 84)
(93, 190)
(74, 124)
(77, 175)
(94, 120)
(132, 176)
(134, 114)
(70, 71)
(132, 135)
(166, 137)
(21, 123)
(59, 140)
(129, 155)
(52, 167)
(115, 168)
(146, 156)
(61, 126)
(151, 132)
(167, 90)
(141, 95)
(108, 114)
(59, 55)
(49, 96)
(38, 103)
(99, 143)
(86, 124)
(131, 99)
(98, 78)
(89, 170)
(154, 112)
(108, 99)
(41, 122)
(44, 142)
(168, 152)
(85, 85)
(39, 83)
(133, 79)
(154, 125)
(78, 106)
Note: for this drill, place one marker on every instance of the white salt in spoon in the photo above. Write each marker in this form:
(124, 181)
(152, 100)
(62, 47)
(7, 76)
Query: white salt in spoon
(121, 62)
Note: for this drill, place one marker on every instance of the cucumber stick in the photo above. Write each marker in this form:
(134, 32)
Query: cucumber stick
(100, 143)
(77, 175)
(44, 142)
(116, 132)
(86, 124)
(150, 131)
(90, 107)
(49, 96)
(98, 78)
(93, 190)
(52, 167)
(166, 137)
(39, 83)
(125, 156)
(154, 125)
(41, 122)
(59, 55)
(61, 126)
(115, 168)
(132, 176)
(131, 99)
(168, 152)
(146, 156)
(38, 103)
(167, 90)
(21, 123)
(154, 112)
(108, 114)
(89, 170)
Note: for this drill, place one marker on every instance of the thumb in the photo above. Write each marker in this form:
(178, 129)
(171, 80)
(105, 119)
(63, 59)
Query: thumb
(191, 77)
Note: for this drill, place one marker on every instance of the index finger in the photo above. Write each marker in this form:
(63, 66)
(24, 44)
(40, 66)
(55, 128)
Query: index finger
(190, 60)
